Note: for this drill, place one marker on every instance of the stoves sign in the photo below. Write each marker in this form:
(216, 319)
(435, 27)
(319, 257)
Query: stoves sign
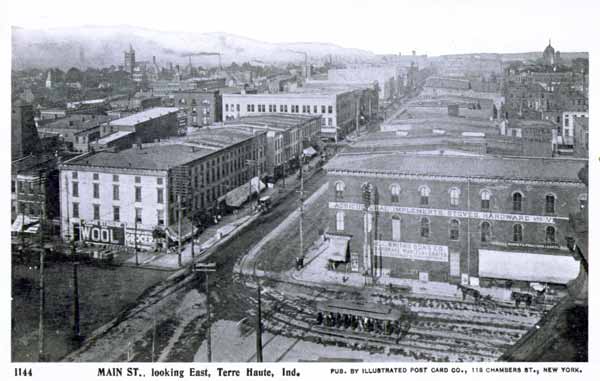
(110, 235)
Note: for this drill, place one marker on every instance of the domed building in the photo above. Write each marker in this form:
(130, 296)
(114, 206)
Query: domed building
(549, 55)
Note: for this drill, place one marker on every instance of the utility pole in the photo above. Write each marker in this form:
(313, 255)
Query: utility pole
(179, 230)
(301, 209)
(135, 244)
(76, 318)
(41, 355)
(259, 354)
(207, 268)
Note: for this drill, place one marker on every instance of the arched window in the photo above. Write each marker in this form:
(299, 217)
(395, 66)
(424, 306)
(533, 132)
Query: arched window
(454, 229)
(550, 234)
(486, 231)
(550, 203)
(486, 195)
(339, 189)
(517, 233)
(454, 196)
(425, 227)
(396, 228)
(517, 201)
(339, 220)
(395, 192)
(424, 192)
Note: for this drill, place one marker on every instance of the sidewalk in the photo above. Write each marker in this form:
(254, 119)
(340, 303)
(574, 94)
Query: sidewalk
(315, 272)
(218, 234)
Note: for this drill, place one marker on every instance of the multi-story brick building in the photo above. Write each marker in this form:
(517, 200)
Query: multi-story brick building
(198, 107)
(337, 107)
(120, 197)
(287, 136)
(457, 219)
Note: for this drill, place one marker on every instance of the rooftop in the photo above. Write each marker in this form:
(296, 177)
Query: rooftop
(526, 168)
(276, 121)
(114, 136)
(75, 122)
(144, 116)
(150, 157)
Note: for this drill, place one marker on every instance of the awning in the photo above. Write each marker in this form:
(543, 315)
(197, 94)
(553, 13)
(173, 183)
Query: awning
(25, 224)
(186, 230)
(527, 267)
(237, 196)
(309, 152)
(337, 249)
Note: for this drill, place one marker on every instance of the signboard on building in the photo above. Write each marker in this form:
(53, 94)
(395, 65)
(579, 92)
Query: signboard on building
(144, 238)
(109, 235)
(415, 251)
(449, 213)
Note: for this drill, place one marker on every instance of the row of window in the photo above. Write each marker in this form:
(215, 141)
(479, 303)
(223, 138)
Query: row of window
(453, 231)
(116, 192)
(306, 109)
(454, 195)
(116, 216)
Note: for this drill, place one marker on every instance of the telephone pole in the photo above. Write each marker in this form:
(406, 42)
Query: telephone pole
(41, 354)
(135, 244)
(179, 230)
(301, 209)
(76, 318)
(259, 354)
(207, 268)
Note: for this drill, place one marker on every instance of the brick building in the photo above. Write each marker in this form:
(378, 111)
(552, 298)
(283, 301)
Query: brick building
(120, 197)
(198, 107)
(456, 218)
(287, 136)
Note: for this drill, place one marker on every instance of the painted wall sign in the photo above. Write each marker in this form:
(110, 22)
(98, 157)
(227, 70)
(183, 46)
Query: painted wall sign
(407, 250)
(449, 213)
(102, 234)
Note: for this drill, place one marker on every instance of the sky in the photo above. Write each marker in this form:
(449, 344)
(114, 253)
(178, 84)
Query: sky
(431, 27)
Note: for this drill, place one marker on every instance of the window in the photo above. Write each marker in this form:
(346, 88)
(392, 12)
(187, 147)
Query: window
(159, 181)
(424, 192)
(248, 108)
(75, 187)
(424, 227)
(550, 234)
(226, 107)
(315, 109)
(517, 201)
(12, 186)
(138, 215)
(485, 199)
(115, 192)
(96, 176)
(517, 233)
(339, 220)
(454, 229)
(280, 108)
(395, 192)
(550, 203)
(138, 194)
(582, 201)
(96, 190)
(396, 228)
(237, 107)
(159, 196)
(339, 190)
(75, 210)
(138, 179)
(20, 187)
(486, 231)
(74, 175)
(330, 109)
(116, 213)
(454, 196)
(322, 109)
(96, 212)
